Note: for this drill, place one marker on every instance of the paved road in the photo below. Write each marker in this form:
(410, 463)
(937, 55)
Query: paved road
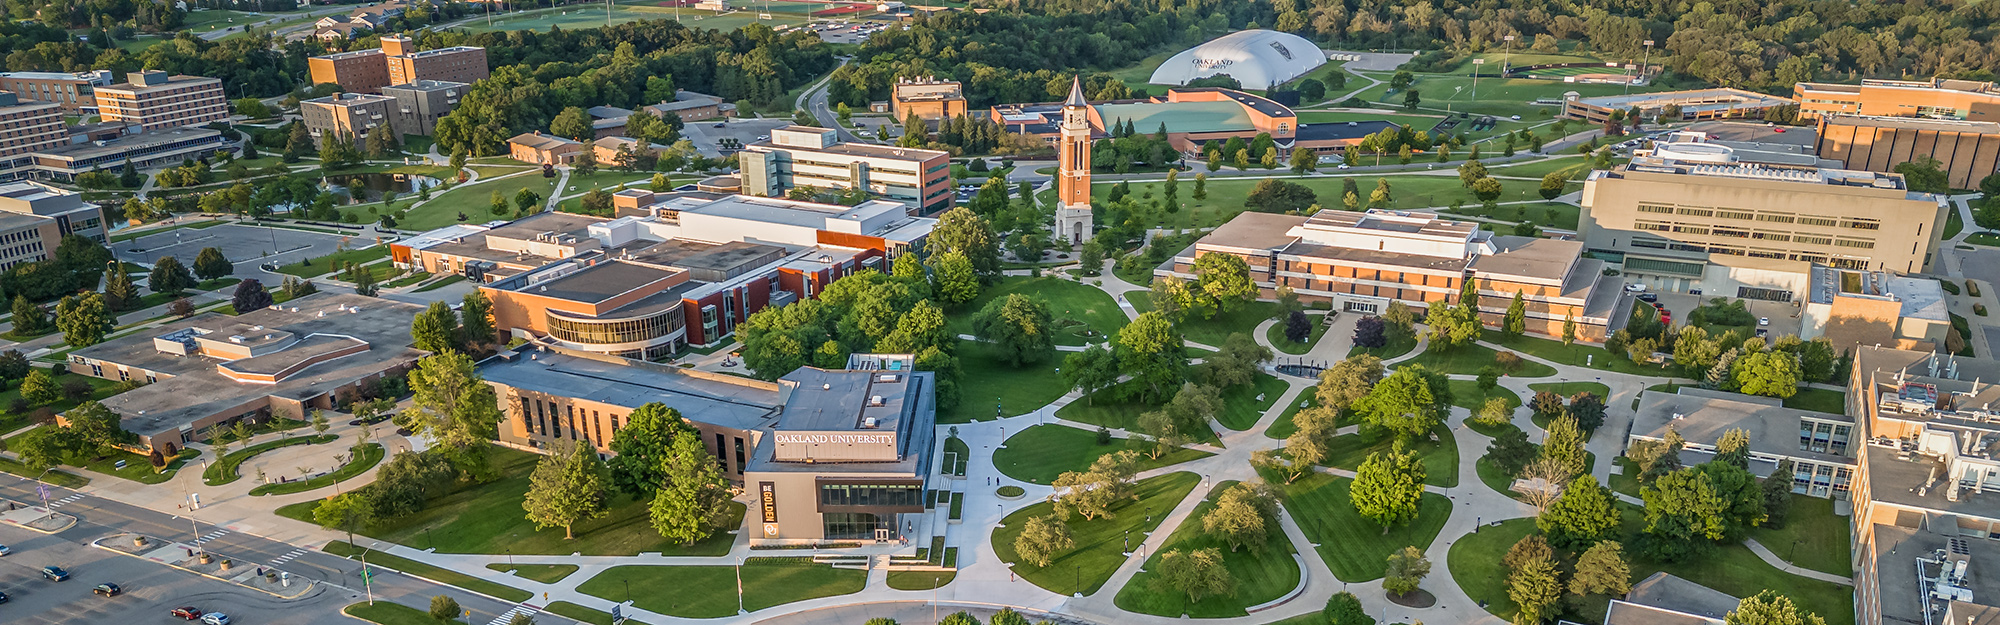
(99, 517)
(814, 100)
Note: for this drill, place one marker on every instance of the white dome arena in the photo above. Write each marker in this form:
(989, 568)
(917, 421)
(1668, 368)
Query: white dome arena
(1257, 58)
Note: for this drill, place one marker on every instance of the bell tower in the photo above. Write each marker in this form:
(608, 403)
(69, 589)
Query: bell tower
(1073, 216)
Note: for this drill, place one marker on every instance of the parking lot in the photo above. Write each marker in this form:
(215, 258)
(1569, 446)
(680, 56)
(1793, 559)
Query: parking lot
(706, 136)
(1783, 315)
(247, 246)
(150, 589)
(848, 32)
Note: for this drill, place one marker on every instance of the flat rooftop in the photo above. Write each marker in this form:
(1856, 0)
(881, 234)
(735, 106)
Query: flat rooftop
(1255, 230)
(1669, 592)
(835, 400)
(1533, 257)
(1919, 298)
(714, 399)
(1896, 477)
(150, 139)
(527, 228)
(1400, 222)
(1824, 176)
(1178, 117)
(1702, 416)
(1338, 131)
(1263, 105)
(443, 51)
(1693, 100)
(600, 282)
(1901, 594)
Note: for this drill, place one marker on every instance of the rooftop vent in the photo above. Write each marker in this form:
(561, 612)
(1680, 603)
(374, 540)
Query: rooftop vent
(237, 338)
(868, 422)
(887, 377)
(826, 387)
(874, 400)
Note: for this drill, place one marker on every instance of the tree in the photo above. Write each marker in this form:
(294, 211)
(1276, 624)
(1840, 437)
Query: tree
(455, 407)
(1451, 326)
(1486, 189)
(1470, 172)
(444, 609)
(1515, 322)
(526, 199)
(1777, 489)
(1343, 608)
(1925, 174)
(1408, 402)
(1563, 444)
(572, 123)
(957, 281)
(129, 177)
(1150, 350)
(29, 318)
(120, 293)
(1581, 516)
(1236, 364)
(1042, 539)
(1407, 569)
(1089, 370)
(1201, 186)
(1733, 448)
(1303, 160)
(963, 231)
(1412, 98)
(1272, 195)
(1767, 373)
(1683, 514)
(1388, 486)
(566, 487)
(475, 314)
(13, 365)
(1569, 330)
(1298, 328)
(1197, 573)
(642, 447)
(381, 142)
(1370, 333)
(435, 329)
(210, 264)
(84, 319)
(1091, 493)
(345, 512)
(1243, 515)
(1019, 326)
(1510, 451)
(1602, 570)
(692, 499)
(1532, 579)
(250, 296)
(1770, 608)
(1223, 283)
(169, 276)
(1587, 409)
(1553, 185)
(585, 162)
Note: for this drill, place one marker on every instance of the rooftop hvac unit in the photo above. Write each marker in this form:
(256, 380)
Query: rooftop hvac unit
(875, 400)
(868, 422)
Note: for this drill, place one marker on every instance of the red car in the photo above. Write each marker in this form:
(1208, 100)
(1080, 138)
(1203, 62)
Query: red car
(186, 613)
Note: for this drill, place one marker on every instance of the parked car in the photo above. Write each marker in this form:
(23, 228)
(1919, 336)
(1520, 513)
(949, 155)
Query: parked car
(1635, 288)
(4, 550)
(107, 589)
(215, 618)
(719, 124)
(54, 573)
(1763, 321)
(1650, 298)
(3, 597)
(186, 613)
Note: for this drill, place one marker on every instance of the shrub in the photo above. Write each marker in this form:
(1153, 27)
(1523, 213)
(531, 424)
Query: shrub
(1948, 286)
(1972, 288)
(1979, 309)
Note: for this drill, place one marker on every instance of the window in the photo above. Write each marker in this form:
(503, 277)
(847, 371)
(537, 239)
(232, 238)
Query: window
(1813, 240)
(1861, 224)
(1696, 212)
(720, 456)
(1818, 221)
(874, 495)
(1855, 243)
(856, 525)
(1735, 215)
(1656, 208)
(739, 455)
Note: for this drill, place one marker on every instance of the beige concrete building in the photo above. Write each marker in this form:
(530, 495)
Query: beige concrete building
(827, 455)
(927, 97)
(154, 100)
(1853, 308)
(1691, 218)
(1967, 150)
(804, 156)
(1939, 98)
(30, 127)
(75, 93)
(35, 217)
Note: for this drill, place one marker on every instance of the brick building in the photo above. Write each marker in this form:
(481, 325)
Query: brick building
(75, 93)
(398, 62)
(927, 98)
(1967, 150)
(153, 100)
(1937, 98)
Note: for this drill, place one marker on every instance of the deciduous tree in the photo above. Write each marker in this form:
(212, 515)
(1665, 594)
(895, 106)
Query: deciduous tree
(1020, 326)
(1602, 570)
(1388, 487)
(435, 329)
(1407, 570)
(567, 487)
(1581, 516)
(693, 500)
(84, 319)
(250, 296)
(1243, 516)
(1042, 539)
(1408, 402)
(1149, 350)
(1197, 573)
(169, 276)
(1770, 608)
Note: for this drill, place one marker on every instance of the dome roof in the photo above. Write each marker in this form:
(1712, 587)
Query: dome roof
(1256, 58)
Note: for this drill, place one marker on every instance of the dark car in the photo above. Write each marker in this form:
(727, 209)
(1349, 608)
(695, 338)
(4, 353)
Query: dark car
(3, 597)
(107, 589)
(55, 573)
(1649, 297)
(186, 613)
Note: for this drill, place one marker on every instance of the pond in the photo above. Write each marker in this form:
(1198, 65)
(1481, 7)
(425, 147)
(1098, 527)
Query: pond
(371, 187)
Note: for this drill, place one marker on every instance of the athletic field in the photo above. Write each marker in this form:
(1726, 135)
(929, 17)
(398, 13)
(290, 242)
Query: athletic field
(589, 16)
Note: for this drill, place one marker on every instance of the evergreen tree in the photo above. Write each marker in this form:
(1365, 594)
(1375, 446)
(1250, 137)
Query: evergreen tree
(210, 264)
(250, 296)
(169, 276)
(120, 293)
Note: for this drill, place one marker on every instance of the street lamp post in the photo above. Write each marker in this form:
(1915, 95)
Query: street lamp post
(1644, 61)
(739, 586)
(1507, 57)
(1475, 77)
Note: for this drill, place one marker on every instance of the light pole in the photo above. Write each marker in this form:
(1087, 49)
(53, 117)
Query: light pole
(1507, 57)
(1475, 78)
(739, 586)
(1643, 62)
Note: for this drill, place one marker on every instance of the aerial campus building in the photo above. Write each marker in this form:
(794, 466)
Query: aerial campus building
(1967, 151)
(1257, 59)
(1192, 117)
(1362, 261)
(827, 454)
(1937, 98)
(398, 62)
(808, 157)
(1696, 105)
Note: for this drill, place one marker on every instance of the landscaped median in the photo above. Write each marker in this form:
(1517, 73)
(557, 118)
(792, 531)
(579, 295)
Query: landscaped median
(1262, 573)
(1041, 453)
(426, 571)
(365, 458)
(710, 591)
(1100, 543)
(386, 612)
(223, 471)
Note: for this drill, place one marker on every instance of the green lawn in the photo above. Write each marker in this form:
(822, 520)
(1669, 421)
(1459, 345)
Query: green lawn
(385, 613)
(134, 234)
(1818, 400)
(1475, 562)
(316, 267)
(1470, 359)
(1276, 335)
(1243, 405)
(956, 455)
(433, 573)
(1554, 351)
(1467, 394)
(224, 471)
(1406, 190)
(1262, 573)
(544, 573)
(488, 519)
(1099, 543)
(1953, 223)
(711, 591)
(1041, 453)
(1501, 97)
(1083, 314)
(473, 200)
(1569, 389)
(988, 381)
(1285, 426)
(1214, 331)
(369, 456)
(1626, 479)
(10, 421)
(138, 467)
(1397, 345)
(1355, 548)
(1136, 75)
(1106, 408)
(1813, 537)
(920, 580)
(1573, 166)
(580, 613)
(1440, 457)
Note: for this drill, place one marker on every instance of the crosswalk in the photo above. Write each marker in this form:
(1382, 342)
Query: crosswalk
(210, 536)
(508, 616)
(287, 557)
(64, 501)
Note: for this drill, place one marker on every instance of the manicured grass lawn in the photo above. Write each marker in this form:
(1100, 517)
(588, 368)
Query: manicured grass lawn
(1099, 543)
(1818, 400)
(580, 613)
(956, 454)
(1554, 351)
(1573, 166)
(436, 574)
(1136, 75)
(473, 200)
(1467, 394)
(710, 591)
(1470, 359)
(920, 580)
(1276, 335)
(1626, 479)
(134, 234)
(1355, 548)
(1083, 314)
(1813, 537)
(1407, 191)
(1440, 457)
(439, 284)
(987, 380)
(1213, 332)
(1398, 344)
(1953, 223)
(385, 613)
(139, 468)
(1243, 405)
(1570, 389)
(1105, 408)
(58, 477)
(367, 458)
(316, 267)
(488, 519)
(100, 389)
(1263, 573)
(1475, 561)
(224, 471)
(1285, 426)
(544, 573)
(1042, 453)
(205, 285)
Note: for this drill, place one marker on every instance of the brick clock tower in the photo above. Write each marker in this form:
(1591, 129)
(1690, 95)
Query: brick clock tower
(1073, 217)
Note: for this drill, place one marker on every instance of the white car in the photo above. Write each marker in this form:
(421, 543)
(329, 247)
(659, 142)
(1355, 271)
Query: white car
(1342, 166)
(1515, 118)
(4, 550)
(1635, 288)
(215, 618)
(1763, 321)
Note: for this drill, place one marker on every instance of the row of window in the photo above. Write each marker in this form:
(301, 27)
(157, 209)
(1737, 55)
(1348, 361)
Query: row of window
(1823, 437)
(614, 332)
(1842, 262)
(549, 418)
(1855, 223)
(1741, 233)
(884, 495)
